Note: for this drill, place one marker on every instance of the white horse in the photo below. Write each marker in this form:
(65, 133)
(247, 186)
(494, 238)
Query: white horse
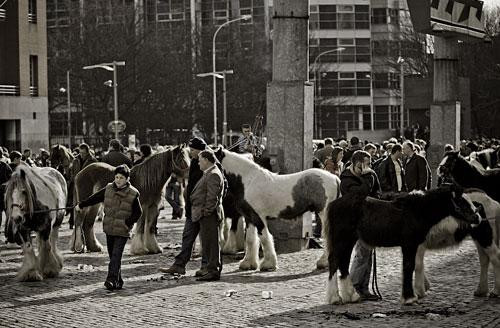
(260, 195)
(32, 193)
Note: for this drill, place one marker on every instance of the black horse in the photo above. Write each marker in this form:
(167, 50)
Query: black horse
(404, 222)
(456, 168)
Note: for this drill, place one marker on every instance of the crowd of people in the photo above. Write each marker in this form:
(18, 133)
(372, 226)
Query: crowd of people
(393, 166)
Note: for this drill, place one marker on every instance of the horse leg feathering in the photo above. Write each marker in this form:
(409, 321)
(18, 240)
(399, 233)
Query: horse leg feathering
(251, 259)
(270, 258)
(420, 288)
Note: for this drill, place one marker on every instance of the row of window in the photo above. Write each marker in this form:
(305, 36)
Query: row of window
(334, 84)
(337, 120)
(355, 50)
(348, 17)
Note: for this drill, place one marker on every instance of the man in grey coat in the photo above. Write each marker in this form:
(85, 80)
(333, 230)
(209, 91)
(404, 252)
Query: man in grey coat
(206, 208)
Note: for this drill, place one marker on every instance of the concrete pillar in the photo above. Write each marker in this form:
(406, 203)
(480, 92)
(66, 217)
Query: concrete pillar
(290, 108)
(445, 111)
(289, 95)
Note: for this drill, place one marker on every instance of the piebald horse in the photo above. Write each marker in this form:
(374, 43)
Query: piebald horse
(30, 193)
(260, 195)
(451, 232)
(149, 178)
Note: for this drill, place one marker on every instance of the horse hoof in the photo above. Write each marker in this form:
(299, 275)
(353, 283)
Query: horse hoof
(355, 297)
(410, 301)
(246, 266)
(94, 249)
(267, 269)
(32, 275)
(320, 265)
(335, 300)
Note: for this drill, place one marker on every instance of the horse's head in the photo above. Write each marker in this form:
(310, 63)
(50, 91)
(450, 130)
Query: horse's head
(180, 160)
(462, 206)
(19, 197)
(447, 165)
(56, 155)
(219, 153)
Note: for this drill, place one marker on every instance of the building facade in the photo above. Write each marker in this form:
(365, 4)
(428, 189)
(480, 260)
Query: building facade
(354, 50)
(24, 121)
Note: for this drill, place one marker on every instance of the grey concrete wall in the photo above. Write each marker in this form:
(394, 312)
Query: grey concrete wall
(34, 131)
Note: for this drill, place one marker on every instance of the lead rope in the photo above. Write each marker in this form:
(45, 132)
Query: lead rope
(374, 278)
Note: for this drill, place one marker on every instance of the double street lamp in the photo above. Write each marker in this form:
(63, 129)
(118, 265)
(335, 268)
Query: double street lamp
(214, 71)
(317, 78)
(221, 75)
(112, 67)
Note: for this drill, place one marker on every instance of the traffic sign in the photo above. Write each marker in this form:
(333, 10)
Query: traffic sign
(117, 126)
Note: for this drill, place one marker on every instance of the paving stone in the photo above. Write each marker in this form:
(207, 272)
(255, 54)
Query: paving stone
(77, 298)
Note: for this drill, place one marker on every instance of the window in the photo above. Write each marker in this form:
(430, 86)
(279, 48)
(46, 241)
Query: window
(333, 84)
(362, 17)
(32, 11)
(34, 76)
(327, 17)
(170, 11)
(379, 15)
(394, 16)
(381, 117)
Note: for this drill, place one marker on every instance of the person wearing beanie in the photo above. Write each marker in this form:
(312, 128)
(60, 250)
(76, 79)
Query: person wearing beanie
(122, 210)
(191, 229)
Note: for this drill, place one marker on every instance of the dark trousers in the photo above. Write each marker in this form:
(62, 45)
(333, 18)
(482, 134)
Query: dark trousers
(172, 195)
(189, 234)
(115, 244)
(209, 233)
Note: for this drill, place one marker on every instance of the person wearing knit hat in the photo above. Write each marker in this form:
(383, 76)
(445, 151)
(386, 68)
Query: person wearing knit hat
(191, 229)
(198, 144)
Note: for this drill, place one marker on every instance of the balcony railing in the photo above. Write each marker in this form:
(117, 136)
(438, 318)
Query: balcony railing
(32, 18)
(3, 15)
(9, 90)
(33, 91)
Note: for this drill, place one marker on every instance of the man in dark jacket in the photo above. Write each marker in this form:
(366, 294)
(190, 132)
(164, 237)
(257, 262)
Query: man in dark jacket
(391, 172)
(416, 168)
(360, 178)
(191, 228)
(115, 157)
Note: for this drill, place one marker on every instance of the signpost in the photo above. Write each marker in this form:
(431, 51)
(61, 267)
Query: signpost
(116, 126)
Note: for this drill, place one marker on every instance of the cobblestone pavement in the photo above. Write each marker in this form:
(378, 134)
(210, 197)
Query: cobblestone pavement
(78, 299)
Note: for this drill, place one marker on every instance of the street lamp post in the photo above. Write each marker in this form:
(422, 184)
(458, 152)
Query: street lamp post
(401, 62)
(317, 77)
(214, 80)
(69, 106)
(112, 67)
(221, 75)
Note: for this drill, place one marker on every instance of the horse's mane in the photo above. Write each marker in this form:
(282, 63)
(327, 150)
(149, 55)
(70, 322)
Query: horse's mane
(17, 181)
(242, 163)
(151, 175)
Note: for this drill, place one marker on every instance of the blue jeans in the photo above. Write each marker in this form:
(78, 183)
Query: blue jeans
(115, 245)
(191, 231)
(361, 268)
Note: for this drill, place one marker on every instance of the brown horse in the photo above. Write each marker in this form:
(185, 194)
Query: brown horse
(61, 158)
(149, 178)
